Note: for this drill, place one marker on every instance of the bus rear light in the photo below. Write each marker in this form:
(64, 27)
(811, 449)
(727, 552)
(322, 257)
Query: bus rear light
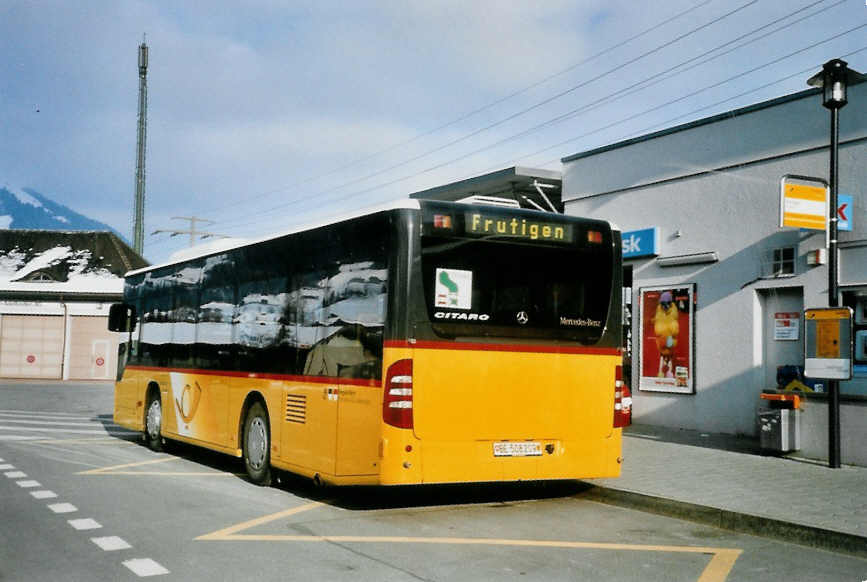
(594, 236)
(442, 221)
(397, 396)
(622, 400)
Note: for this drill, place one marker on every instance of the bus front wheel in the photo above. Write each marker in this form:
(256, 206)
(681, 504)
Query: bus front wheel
(257, 445)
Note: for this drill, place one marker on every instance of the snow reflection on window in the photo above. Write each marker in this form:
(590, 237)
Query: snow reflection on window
(303, 306)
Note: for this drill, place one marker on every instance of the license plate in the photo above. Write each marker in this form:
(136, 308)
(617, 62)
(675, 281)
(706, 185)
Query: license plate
(517, 449)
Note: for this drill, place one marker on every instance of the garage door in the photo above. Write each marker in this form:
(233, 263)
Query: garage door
(91, 349)
(31, 346)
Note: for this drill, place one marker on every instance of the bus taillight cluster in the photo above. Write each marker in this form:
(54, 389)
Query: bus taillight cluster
(397, 402)
(622, 400)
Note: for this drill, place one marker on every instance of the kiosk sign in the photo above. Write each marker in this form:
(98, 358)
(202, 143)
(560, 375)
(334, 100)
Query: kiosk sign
(828, 343)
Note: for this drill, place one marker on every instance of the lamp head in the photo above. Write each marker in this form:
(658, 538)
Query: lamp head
(834, 78)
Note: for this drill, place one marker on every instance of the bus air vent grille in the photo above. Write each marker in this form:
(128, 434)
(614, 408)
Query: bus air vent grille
(296, 408)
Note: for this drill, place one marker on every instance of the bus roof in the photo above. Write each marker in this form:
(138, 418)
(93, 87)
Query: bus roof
(222, 245)
(216, 246)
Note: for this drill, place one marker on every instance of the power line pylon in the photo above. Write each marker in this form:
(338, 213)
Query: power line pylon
(192, 231)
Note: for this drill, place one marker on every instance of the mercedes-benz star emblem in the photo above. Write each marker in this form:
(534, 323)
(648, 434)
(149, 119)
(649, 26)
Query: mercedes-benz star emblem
(522, 317)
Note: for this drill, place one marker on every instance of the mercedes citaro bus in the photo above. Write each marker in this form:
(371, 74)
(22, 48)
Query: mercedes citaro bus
(423, 342)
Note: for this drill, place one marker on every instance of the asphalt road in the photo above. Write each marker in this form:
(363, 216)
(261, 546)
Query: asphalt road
(82, 499)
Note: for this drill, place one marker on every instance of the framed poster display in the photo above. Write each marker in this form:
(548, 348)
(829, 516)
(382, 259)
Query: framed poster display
(667, 330)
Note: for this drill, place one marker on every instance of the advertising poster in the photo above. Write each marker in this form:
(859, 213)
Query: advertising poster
(666, 339)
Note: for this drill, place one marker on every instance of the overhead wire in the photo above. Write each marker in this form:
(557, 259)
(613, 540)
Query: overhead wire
(632, 134)
(631, 117)
(530, 108)
(673, 101)
(597, 103)
(547, 100)
(478, 110)
(639, 86)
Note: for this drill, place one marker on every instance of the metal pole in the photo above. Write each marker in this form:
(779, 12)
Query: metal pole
(138, 218)
(833, 385)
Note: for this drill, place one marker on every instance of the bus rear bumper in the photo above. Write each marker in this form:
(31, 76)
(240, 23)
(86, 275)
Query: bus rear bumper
(496, 461)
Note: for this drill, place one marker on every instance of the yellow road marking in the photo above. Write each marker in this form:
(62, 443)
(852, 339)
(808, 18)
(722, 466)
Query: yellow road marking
(719, 567)
(230, 533)
(117, 470)
(717, 570)
(113, 468)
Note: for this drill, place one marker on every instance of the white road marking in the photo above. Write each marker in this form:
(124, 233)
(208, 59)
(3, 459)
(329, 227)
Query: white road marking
(62, 508)
(43, 494)
(6, 467)
(111, 543)
(40, 414)
(56, 423)
(68, 430)
(28, 484)
(145, 567)
(15, 474)
(87, 523)
(17, 437)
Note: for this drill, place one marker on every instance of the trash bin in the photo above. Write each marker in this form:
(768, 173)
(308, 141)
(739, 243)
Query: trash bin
(780, 423)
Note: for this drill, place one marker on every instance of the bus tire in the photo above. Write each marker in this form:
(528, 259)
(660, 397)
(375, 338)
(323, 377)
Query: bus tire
(154, 423)
(257, 445)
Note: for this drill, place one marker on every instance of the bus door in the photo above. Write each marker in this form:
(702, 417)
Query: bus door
(352, 402)
(359, 428)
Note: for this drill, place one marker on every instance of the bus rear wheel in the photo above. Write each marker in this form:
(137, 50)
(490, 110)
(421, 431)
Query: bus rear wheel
(153, 423)
(257, 445)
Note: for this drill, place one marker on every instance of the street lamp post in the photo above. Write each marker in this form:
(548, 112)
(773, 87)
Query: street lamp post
(834, 78)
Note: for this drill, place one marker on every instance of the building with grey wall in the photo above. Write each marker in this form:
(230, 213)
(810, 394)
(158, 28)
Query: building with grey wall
(699, 206)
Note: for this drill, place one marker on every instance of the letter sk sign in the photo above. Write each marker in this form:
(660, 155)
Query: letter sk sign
(803, 203)
(641, 243)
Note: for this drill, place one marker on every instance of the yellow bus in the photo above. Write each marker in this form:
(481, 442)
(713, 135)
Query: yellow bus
(422, 342)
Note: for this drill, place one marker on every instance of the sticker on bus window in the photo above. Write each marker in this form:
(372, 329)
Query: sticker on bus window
(453, 289)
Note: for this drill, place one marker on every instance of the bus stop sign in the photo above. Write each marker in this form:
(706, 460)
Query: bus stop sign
(828, 343)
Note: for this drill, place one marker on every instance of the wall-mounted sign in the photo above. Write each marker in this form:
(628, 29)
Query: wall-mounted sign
(803, 202)
(641, 243)
(845, 212)
(666, 335)
(786, 326)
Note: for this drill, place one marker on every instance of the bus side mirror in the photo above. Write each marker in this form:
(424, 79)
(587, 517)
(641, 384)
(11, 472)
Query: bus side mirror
(121, 317)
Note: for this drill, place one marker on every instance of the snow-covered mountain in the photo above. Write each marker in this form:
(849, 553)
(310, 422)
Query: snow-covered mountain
(28, 209)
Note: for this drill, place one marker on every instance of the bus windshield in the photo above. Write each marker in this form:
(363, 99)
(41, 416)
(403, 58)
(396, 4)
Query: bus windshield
(514, 275)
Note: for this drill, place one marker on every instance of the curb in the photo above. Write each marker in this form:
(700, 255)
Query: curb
(766, 527)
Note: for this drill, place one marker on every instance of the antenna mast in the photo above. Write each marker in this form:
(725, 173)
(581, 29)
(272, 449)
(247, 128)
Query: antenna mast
(138, 220)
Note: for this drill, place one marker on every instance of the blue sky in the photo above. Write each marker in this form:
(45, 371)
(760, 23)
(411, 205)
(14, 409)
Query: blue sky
(264, 114)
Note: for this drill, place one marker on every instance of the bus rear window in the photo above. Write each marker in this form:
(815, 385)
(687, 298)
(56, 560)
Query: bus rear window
(517, 289)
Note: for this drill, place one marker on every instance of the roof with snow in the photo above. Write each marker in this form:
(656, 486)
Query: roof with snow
(64, 265)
